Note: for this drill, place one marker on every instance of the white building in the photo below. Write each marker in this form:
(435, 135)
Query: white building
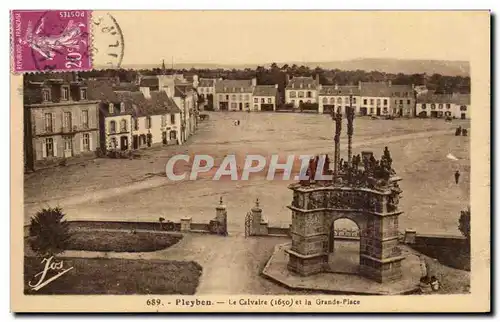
(301, 90)
(335, 96)
(443, 105)
(265, 97)
(234, 95)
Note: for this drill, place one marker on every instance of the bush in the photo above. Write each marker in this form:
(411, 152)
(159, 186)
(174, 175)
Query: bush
(464, 223)
(49, 233)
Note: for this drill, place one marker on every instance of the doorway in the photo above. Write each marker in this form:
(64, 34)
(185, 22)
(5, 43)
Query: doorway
(68, 147)
(241, 106)
(135, 142)
(344, 246)
(378, 111)
(124, 143)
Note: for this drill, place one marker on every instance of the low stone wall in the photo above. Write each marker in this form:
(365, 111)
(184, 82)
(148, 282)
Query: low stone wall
(449, 250)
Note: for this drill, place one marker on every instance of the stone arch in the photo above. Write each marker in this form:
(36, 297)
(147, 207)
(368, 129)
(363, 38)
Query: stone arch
(358, 218)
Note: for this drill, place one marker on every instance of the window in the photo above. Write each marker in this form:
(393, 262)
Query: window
(247, 105)
(255, 100)
(65, 93)
(136, 124)
(325, 100)
(262, 100)
(269, 100)
(301, 94)
(68, 143)
(172, 118)
(332, 100)
(148, 122)
(371, 101)
(339, 100)
(424, 106)
(385, 101)
(67, 120)
(83, 94)
(408, 102)
(111, 108)
(112, 127)
(346, 100)
(440, 106)
(433, 106)
(293, 94)
(46, 95)
(240, 97)
(86, 142)
(448, 106)
(309, 94)
(463, 108)
(400, 101)
(49, 147)
(85, 119)
(123, 126)
(227, 97)
(385, 109)
(233, 97)
(48, 122)
(371, 110)
(365, 102)
(378, 101)
(114, 145)
(122, 107)
(163, 120)
(256, 107)
(354, 100)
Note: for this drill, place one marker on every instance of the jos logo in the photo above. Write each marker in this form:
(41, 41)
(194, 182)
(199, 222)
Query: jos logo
(51, 271)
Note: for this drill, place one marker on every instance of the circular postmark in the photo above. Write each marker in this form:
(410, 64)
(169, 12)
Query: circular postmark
(108, 45)
(59, 39)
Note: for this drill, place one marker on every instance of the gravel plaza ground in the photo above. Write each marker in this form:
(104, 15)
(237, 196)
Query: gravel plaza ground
(123, 189)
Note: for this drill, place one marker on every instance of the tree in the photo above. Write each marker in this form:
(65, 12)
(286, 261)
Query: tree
(49, 233)
(464, 223)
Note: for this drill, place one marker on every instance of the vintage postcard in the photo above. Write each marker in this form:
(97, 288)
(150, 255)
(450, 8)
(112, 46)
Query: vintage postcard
(250, 161)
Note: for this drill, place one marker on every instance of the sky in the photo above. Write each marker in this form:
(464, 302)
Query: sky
(244, 37)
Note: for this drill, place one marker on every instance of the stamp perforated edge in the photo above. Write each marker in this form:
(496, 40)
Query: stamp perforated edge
(90, 46)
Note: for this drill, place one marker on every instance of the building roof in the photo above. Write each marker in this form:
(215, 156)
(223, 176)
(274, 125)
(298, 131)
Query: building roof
(265, 90)
(234, 86)
(375, 89)
(182, 89)
(397, 90)
(301, 82)
(430, 98)
(126, 87)
(136, 103)
(206, 82)
(149, 81)
(339, 90)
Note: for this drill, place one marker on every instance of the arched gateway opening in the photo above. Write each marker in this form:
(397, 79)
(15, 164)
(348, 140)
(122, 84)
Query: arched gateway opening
(344, 246)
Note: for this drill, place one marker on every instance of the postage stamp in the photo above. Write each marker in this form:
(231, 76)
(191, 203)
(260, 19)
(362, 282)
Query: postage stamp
(50, 40)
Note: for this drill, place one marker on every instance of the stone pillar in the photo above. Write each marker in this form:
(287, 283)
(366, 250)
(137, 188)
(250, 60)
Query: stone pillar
(186, 224)
(410, 236)
(221, 217)
(259, 225)
(381, 260)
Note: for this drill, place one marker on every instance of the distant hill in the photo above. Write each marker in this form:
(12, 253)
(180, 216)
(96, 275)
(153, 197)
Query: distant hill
(387, 65)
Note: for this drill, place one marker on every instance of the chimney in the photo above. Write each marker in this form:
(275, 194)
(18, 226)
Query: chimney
(336, 86)
(254, 82)
(145, 91)
(275, 85)
(359, 85)
(287, 79)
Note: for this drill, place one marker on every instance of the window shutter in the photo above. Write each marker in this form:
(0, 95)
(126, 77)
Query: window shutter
(73, 120)
(54, 122)
(81, 142)
(91, 147)
(54, 146)
(44, 148)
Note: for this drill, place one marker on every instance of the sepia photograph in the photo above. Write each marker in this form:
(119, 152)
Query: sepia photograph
(239, 154)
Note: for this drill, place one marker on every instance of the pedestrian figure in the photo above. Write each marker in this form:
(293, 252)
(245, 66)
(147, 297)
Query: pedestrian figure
(238, 122)
(435, 284)
(457, 176)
